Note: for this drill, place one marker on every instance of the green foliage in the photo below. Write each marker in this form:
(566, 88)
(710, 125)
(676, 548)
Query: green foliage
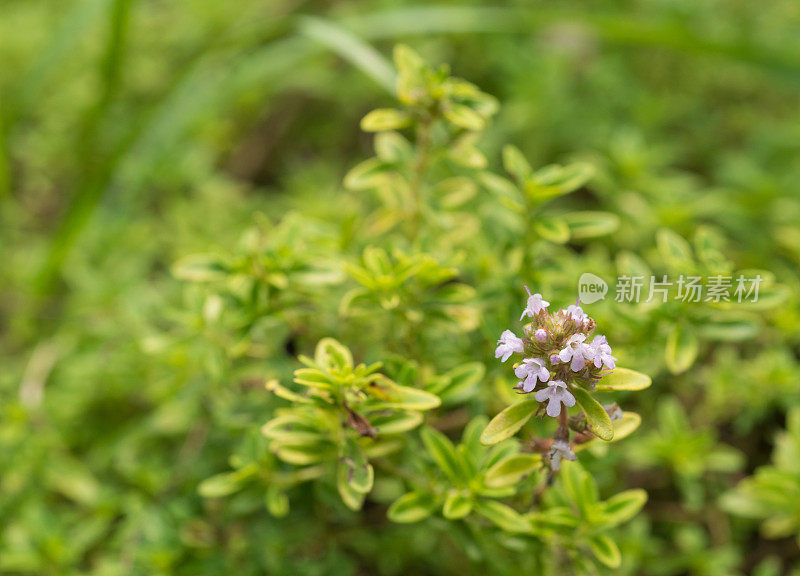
(772, 493)
(348, 414)
(175, 238)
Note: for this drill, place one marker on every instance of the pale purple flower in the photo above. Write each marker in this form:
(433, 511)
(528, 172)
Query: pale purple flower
(560, 450)
(540, 335)
(577, 351)
(531, 370)
(602, 353)
(557, 393)
(535, 304)
(507, 345)
(577, 314)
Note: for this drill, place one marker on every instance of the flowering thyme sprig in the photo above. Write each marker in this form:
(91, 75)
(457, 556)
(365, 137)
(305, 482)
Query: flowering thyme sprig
(559, 353)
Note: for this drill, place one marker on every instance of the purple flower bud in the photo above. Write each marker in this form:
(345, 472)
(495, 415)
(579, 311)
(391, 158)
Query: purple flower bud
(540, 335)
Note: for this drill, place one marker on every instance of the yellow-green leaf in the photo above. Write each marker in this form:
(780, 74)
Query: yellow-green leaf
(605, 550)
(502, 516)
(464, 117)
(508, 422)
(411, 507)
(511, 470)
(457, 505)
(624, 506)
(681, 350)
(624, 379)
(596, 417)
(385, 119)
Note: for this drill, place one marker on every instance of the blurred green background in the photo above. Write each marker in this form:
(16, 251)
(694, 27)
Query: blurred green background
(135, 132)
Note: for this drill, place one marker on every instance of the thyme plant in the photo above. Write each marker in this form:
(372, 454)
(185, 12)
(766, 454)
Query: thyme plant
(409, 430)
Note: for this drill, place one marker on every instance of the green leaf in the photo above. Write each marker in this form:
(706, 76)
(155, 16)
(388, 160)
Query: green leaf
(623, 379)
(392, 148)
(385, 119)
(731, 328)
(502, 516)
(596, 417)
(302, 454)
(411, 507)
(351, 497)
(226, 483)
(393, 395)
(313, 378)
(681, 350)
(331, 354)
(411, 70)
(464, 117)
(504, 190)
(709, 246)
(630, 264)
(740, 503)
(454, 192)
(724, 459)
(444, 454)
(515, 163)
(471, 437)
(277, 502)
(555, 518)
(627, 425)
(675, 250)
(360, 474)
(459, 383)
(275, 387)
(553, 229)
(508, 422)
(623, 427)
(580, 487)
(589, 224)
(464, 152)
(605, 550)
(367, 175)
(554, 180)
(200, 268)
(624, 506)
(512, 470)
(457, 505)
(396, 423)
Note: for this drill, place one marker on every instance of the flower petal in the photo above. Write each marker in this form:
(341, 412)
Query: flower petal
(553, 408)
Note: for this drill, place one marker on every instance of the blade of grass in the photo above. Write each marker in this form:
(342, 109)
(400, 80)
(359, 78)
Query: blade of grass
(613, 28)
(90, 149)
(351, 48)
(63, 42)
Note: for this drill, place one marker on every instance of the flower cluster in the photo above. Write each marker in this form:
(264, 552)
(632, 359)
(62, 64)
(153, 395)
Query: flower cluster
(559, 351)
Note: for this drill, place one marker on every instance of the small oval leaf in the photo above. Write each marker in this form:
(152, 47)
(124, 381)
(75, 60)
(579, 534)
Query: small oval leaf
(681, 350)
(512, 470)
(411, 507)
(457, 505)
(596, 417)
(508, 422)
(623, 379)
(605, 550)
